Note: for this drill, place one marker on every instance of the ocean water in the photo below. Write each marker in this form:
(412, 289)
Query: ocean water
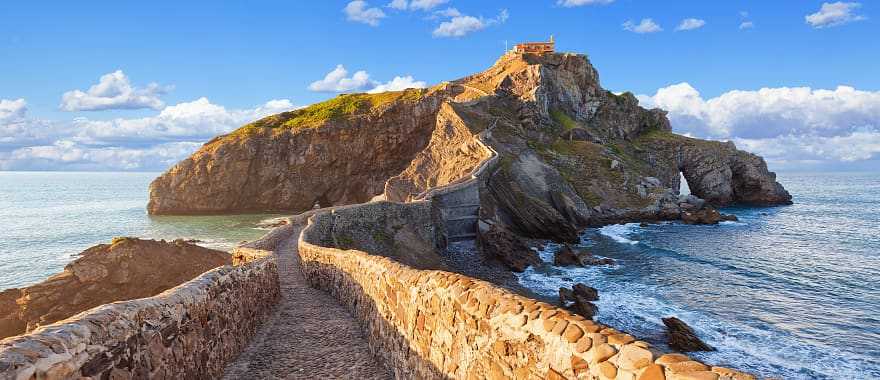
(46, 218)
(791, 292)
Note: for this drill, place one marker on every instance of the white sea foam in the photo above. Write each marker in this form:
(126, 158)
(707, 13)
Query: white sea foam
(621, 232)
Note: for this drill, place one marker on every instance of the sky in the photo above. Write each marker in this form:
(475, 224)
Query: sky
(110, 85)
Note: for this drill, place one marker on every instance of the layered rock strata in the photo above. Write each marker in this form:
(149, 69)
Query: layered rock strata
(127, 269)
(571, 154)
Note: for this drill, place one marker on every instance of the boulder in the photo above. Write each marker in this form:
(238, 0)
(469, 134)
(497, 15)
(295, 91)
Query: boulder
(498, 242)
(584, 308)
(578, 299)
(682, 337)
(566, 256)
(706, 215)
(586, 259)
(586, 292)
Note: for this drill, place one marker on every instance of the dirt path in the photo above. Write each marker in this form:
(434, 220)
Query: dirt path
(310, 336)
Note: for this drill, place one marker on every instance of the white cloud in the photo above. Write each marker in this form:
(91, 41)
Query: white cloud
(416, 5)
(577, 3)
(446, 13)
(398, 4)
(647, 25)
(690, 24)
(114, 91)
(338, 80)
(148, 143)
(785, 124)
(69, 155)
(197, 119)
(746, 25)
(463, 25)
(360, 11)
(12, 110)
(834, 14)
(399, 84)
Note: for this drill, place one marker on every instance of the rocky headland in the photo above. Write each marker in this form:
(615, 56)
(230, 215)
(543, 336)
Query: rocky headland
(126, 269)
(532, 148)
(572, 154)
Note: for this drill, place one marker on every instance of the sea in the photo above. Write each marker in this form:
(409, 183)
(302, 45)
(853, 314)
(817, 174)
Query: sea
(790, 292)
(47, 218)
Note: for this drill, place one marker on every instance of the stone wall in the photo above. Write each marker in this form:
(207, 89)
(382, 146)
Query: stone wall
(430, 324)
(188, 332)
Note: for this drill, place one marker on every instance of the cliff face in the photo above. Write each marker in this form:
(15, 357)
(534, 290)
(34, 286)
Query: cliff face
(127, 269)
(572, 153)
(338, 152)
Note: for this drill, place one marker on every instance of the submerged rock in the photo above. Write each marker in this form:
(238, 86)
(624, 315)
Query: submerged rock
(706, 215)
(128, 268)
(682, 337)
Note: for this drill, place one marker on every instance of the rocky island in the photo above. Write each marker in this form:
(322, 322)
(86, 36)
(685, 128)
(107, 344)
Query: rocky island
(531, 148)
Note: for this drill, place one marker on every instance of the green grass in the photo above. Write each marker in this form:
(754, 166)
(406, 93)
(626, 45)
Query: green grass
(563, 119)
(337, 108)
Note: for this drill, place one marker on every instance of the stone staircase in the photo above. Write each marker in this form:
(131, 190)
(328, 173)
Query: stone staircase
(461, 221)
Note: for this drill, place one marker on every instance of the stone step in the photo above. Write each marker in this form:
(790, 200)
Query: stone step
(462, 205)
(463, 237)
(465, 217)
(460, 213)
(461, 227)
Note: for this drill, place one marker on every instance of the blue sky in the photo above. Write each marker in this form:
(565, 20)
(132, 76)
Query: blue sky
(215, 65)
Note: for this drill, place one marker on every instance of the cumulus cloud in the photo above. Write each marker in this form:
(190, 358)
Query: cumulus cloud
(148, 143)
(578, 3)
(114, 91)
(338, 80)
(786, 124)
(12, 110)
(690, 24)
(746, 25)
(399, 84)
(424, 5)
(360, 11)
(834, 14)
(462, 25)
(647, 25)
(198, 119)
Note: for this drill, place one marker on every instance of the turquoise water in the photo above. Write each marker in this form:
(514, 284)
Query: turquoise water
(791, 292)
(47, 217)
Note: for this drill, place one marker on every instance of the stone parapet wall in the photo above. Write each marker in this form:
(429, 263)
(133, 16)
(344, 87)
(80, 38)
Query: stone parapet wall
(433, 324)
(188, 332)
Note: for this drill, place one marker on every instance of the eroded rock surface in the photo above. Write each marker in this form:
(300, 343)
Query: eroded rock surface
(498, 242)
(127, 269)
(570, 154)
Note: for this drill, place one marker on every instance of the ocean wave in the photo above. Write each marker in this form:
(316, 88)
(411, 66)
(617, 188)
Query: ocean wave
(621, 232)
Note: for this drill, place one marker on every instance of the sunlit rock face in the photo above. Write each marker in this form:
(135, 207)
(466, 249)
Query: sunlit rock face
(570, 153)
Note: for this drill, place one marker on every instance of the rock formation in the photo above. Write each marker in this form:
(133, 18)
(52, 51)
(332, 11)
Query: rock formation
(682, 337)
(571, 154)
(127, 269)
(498, 242)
